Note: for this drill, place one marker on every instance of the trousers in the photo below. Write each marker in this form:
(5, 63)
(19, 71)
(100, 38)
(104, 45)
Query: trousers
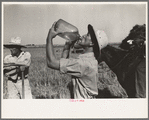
(15, 89)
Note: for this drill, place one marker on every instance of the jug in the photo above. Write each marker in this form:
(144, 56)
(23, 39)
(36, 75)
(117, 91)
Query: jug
(68, 31)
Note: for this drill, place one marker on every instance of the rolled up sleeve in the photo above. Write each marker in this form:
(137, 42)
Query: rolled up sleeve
(71, 67)
(9, 59)
(25, 59)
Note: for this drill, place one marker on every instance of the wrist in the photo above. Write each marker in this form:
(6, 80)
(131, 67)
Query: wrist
(50, 36)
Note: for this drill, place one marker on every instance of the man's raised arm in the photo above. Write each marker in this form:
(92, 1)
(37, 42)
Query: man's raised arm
(52, 62)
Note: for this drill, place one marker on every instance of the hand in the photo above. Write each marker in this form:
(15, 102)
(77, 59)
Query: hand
(10, 70)
(68, 44)
(52, 33)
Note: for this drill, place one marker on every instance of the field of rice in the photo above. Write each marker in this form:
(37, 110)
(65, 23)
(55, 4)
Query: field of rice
(45, 83)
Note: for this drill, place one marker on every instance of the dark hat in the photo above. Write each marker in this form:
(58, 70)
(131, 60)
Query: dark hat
(15, 42)
(99, 39)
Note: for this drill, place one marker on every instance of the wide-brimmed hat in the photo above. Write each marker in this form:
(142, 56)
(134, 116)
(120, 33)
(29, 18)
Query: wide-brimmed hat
(14, 42)
(99, 39)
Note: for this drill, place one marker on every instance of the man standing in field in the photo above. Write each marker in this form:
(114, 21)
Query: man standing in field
(14, 64)
(84, 69)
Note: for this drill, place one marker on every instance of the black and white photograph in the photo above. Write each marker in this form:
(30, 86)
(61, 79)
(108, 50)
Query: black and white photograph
(74, 60)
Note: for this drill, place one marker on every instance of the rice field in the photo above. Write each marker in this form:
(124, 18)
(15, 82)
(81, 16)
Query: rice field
(45, 83)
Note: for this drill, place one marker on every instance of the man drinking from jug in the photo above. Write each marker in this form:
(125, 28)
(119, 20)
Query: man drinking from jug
(84, 69)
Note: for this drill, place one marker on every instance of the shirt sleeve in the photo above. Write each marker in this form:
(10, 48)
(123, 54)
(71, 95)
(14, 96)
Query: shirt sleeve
(9, 59)
(26, 59)
(6, 59)
(71, 66)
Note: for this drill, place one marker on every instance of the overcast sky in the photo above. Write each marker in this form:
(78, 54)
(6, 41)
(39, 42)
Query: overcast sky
(31, 22)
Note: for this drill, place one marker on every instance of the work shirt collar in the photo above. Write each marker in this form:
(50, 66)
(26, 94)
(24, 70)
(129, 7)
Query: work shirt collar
(86, 55)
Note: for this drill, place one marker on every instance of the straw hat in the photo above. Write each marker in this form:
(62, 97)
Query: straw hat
(99, 38)
(14, 42)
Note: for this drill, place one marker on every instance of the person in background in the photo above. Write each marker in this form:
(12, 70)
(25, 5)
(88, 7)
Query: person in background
(14, 64)
(84, 69)
(140, 72)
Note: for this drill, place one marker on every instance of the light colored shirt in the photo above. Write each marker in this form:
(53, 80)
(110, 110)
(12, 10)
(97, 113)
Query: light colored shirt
(24, 58)
(84, 71)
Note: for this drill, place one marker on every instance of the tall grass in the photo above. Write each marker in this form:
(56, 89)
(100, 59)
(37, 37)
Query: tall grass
(45, 83)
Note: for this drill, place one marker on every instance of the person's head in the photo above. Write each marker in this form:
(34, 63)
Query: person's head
(84, 42)
(14, 46)
(94, 40)
(15, 50)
